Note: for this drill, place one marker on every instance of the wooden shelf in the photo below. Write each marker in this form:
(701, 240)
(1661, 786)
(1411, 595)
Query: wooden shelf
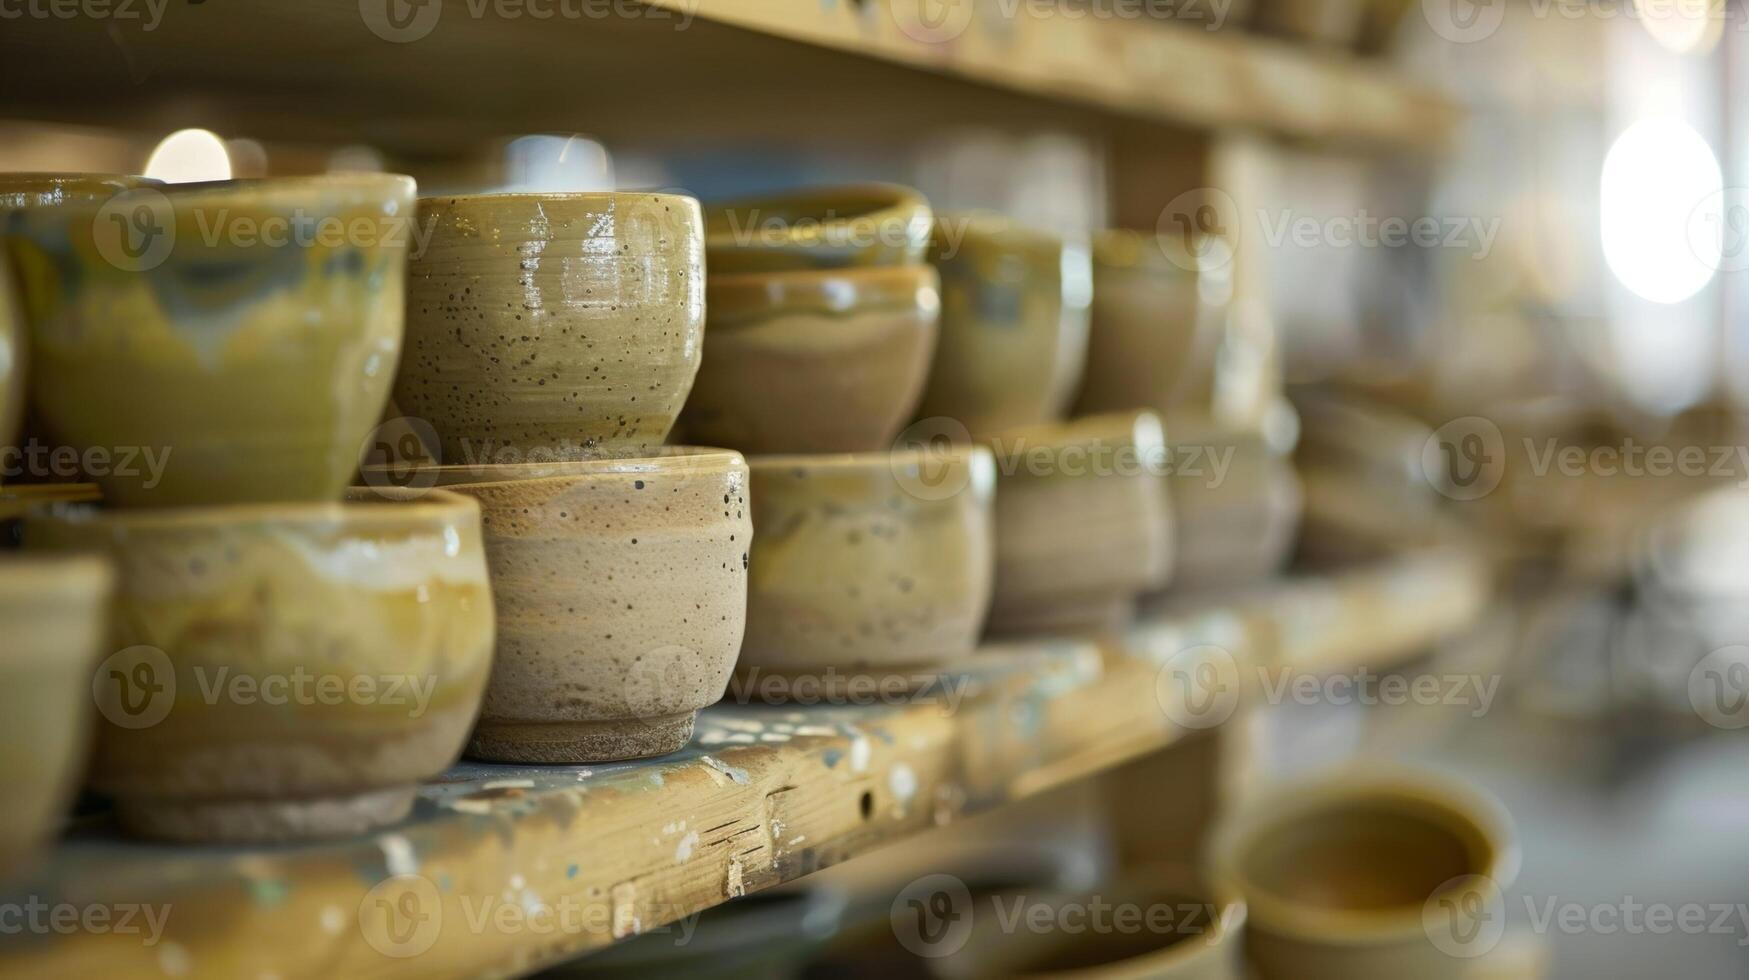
(683, 71)
(764, 795)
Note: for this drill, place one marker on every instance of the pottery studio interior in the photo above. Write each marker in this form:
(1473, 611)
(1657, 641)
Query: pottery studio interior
(957, 489)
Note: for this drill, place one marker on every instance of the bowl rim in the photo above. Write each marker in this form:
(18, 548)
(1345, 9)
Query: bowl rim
(862, 201)
(840, 290)
(1142, 428)
(557, 196)
(883, 459)
(360, 507)
(661, 460)
(348, 187)
(1461, 807)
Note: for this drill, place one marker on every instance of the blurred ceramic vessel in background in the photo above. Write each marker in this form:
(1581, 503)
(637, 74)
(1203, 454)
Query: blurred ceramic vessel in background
(813, 362)
(1083, 523)
(819, 228)
(284, 671)
(1236, 502)
(553, 326)
(221, 343)
(622, 597)
(874, 567)
(1369, 875)
(53, 613)
(1015, 304)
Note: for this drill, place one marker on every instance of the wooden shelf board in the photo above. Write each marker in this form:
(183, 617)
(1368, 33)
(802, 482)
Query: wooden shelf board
(512, 868)
(739, 72)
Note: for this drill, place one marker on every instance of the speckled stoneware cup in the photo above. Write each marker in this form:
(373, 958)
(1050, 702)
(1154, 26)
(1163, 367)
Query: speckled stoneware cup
(1369, 876)
(1014, 319)
(225, 343)
(1156, 325)
(813, 362)
(622, 596)
(553, 326)
(1082, 523)
(284, 671)
(819, 228)
(872, 565)
(52, 612)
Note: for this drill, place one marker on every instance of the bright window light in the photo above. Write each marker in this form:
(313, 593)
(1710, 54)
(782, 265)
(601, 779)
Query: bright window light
(1661, 185)
(189, 155)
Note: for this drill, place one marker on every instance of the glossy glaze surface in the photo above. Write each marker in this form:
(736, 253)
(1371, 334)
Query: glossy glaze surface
(820, 228)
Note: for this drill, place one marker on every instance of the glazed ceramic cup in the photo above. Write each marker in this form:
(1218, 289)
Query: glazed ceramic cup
(553, 326)
(622, 598)
(1158, 923)
(220, 343)
(1375, 875)
(1014, 321)
(1156, 325)
(23, 190)
(822, 228)
(284, 671)
(52, 612)
(813, 362)
(1082, 523)
(1236, 507)
(866, 567)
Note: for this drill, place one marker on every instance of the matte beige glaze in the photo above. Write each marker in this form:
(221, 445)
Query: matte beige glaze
(553, 325)
(1014, 319)
(622, 597)
(869, 565)
(52, 613)
(813, 362)
(1236, 521)
(1350, 877)
(1156, 325)
(819, 228)
(1175, 929)
(1082, 523)
(254, 359)
(239, 603)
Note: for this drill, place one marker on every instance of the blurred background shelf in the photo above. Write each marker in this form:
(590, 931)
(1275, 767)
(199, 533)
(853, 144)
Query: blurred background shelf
(764, 795)
(473, 72)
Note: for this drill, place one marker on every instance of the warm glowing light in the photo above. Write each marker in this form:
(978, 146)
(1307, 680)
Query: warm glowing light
(189, 155)
(1661, 184)
(1683, 26)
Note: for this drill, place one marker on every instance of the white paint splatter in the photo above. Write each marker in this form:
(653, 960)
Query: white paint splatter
(903, 782)
(687, 843)
(859, 752)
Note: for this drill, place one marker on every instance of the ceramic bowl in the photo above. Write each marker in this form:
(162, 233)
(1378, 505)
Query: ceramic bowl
(1156, 325)
(1082, 523)
(1374, 875)
(1014, 321)
(1237, 504)
(813, 362)
(52, 612)
(821, 228)
(1159, 923)
(284, 671)
(553, 326)
(871, 565)
(224, 343)
(622, 598)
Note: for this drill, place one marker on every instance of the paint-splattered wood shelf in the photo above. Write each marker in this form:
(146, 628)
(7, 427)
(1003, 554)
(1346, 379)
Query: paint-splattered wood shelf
(505, 869)
(750, 71)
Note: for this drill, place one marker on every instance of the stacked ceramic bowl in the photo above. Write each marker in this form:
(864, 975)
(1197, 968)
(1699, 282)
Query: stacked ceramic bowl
(870, 565)
(551, 341)
(1082, 525)
(290, 658)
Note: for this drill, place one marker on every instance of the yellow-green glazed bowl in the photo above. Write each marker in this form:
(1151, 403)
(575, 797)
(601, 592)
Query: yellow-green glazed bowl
(284, 671)
(1369, 876)
(820, 228)
(866, 567)
(220, 343)
(1082, 523)
(543, 326)
(1015, 304)
(1156, 326)
(813, 362)
(52, 611)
